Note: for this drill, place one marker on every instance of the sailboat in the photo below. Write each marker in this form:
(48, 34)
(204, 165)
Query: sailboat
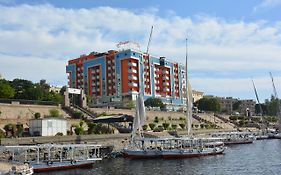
(139, 146)
(188, 147)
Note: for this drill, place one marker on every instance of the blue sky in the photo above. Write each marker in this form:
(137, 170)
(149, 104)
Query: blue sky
(230, 42)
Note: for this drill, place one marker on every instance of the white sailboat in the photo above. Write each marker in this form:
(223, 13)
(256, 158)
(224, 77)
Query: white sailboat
(139, 146)
(187, 147)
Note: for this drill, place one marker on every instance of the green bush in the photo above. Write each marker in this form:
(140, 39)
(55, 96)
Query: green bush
(91, 127)
(182, 125)
(156, 119)
(181, 118)
(79, 130)
(20, 130)
(78, 115)
(241, 118)
(174, 126)
(37, 115)
(202, 126)
(233, 118)
(54, 113)
(144, 127)
(152, 125)
(241, 123)
(158, 129)
(166, 125)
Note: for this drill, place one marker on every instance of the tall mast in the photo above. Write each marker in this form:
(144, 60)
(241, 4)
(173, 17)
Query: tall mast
(147, 49)
(273, 85)
(277, 103)
(188, 91)
(257, 97)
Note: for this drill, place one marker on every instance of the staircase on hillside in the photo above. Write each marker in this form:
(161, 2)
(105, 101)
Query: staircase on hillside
(86, 111)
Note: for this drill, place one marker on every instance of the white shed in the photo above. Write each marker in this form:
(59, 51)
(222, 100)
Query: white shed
(47, 126)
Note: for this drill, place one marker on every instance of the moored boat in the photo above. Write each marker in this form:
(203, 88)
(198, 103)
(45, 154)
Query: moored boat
(51, 157)
(229, 138)
(192, 147)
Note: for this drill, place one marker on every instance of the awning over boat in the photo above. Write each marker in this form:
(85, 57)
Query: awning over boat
(114, 119)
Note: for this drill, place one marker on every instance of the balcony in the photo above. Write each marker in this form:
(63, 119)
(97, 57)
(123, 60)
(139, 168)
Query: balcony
(165, 77)
(132, 77)
(132, 71)
(133, 84)
(132, 64)
(166, 90)
(166, 84)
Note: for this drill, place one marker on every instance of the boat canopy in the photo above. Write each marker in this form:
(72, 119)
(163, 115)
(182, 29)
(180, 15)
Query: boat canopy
(114, 119)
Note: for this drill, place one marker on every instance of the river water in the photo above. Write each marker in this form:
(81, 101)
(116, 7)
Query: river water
(263, 157)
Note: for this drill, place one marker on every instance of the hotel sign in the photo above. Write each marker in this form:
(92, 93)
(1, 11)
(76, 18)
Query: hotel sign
(73, 91)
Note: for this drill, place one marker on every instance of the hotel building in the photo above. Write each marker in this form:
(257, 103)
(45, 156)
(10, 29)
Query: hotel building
(118, 76)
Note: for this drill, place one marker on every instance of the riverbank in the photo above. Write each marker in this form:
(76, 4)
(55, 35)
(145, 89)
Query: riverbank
(108, 140)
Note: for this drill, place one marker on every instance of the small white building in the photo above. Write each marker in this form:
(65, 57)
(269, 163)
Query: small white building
(47, 126)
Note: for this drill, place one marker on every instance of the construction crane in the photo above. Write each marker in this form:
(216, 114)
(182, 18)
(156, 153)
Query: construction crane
(147, 49)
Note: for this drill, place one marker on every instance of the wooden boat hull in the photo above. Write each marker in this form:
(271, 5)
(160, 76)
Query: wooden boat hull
(44, 167)
(174, 154)
(142, 154)
(238, 142)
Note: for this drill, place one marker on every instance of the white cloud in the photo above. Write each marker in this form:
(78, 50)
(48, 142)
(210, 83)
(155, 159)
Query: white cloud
(36, 41)
(267, 4)
(33, 68)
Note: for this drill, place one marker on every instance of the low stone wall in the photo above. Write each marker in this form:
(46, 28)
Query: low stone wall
(115, 140)
(165, 115)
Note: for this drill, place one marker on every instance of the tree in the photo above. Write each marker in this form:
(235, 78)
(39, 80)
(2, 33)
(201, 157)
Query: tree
(54, 113)
(236, 105)
(151, 125)
(79, 130)
(208, 104)
(6, 90)
(91, 127)
(21, 87)
(154, 102)
(272, 106)
(62, 90)
(37, 115)
(44, 85)
(166, 125)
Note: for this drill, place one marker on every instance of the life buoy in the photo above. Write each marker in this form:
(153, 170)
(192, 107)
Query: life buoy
(49, 163)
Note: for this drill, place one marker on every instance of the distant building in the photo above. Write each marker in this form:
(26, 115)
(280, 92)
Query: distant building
(244, 107)
(226, 103)
(55, 89)
(247, 107)
(197, 95)
(118, 76)
(47, 126)
(1, 77)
